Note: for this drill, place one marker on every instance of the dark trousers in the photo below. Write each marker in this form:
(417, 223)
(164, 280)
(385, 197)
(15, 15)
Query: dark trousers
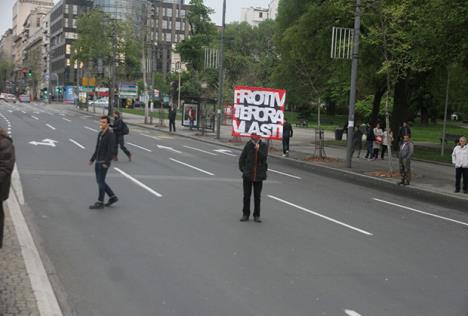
(172, 125)
(192, 124)
(459, 173)
(104, 189)
(257, 188)
(2, 223)
(119, 141)
(285, 144)
(384, 150)
(370, 145)
(405, 170)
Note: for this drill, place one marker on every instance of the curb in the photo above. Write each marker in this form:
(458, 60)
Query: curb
(436, 197)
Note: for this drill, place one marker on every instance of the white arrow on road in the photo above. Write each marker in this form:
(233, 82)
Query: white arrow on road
(225, 152)
(45, 142)
(169, 148)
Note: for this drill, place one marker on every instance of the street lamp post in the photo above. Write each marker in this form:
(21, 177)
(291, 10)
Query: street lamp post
(178, 88)
(221, 75)
(352, 93)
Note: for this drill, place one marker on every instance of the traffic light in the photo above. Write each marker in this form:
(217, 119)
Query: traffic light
(30, 73)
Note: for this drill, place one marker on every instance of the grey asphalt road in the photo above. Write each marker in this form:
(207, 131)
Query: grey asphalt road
(173, 245)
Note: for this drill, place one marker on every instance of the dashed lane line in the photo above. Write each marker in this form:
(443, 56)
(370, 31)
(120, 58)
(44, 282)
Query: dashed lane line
(51, 127)
(142, 148)
(200, 150)
(285, 174)
(76, 143)
(65, 119)
(190, 166)
(35, 117)
(421, 212)
(321, 216)
(144, 186)
(149, 136)
(91, 129)
(350, 312)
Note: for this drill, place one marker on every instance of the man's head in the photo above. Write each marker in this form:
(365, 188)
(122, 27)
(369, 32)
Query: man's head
(104, 122)
(406, 138)
(405, 124)
(462, 141)
(116, 114)
(254, 137)
(285, 120)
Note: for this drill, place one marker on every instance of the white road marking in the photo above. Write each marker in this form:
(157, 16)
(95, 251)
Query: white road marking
(10, 111)
(66, 119)
(34, 117)
(193, 167)
(91, 129)
(285, 174)
(23, 112)
(350, 312)
(45, 142)
(320, 215)
(146, 149)
(76, 143)
(421, 212)
(46, 300)
(51, 127)
(200, 150)
(149, 136)
(225, 152)
(169, 148)
(144, 186)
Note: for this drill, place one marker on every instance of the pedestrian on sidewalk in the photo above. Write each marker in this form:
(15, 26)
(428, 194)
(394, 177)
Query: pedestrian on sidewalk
(7, 163)
(191, 116)
(253, 165)
(370, 140)
(120, 129)
(287, 134)
(406, 152)
(172, 119)
(403, 131)
(105, 147)
(378, 138)
(460, 161)
(357, 140)
(387, 141)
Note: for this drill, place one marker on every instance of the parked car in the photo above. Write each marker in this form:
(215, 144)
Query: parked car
(100, 103)
(24, 98)
(8, 97)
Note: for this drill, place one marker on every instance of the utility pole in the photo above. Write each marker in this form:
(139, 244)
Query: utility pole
(179, 66)
(352, 93)
(221, 76)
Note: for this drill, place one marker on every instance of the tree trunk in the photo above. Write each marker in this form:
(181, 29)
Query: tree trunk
(379, 92)
(400, 107)
(424, 115)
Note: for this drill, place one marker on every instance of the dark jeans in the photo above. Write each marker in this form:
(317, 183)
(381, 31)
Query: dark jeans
(405, 170)
(192, 124)
(172, 125)
(119, 141)
(370, 145)
(2, 223)
(384, 150)
(459, 172)
(285, 144)
(257, 186)
(101, 173)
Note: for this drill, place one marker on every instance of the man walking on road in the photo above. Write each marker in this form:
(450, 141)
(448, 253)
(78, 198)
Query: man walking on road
(103, 156)
(406, 152)
(7, 163)
(460, 160)
(253, 165)
(120, 130)
(172, 119)
(287, 134)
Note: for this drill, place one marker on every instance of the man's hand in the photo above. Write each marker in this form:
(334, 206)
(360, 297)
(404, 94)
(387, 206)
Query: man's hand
(104, 166)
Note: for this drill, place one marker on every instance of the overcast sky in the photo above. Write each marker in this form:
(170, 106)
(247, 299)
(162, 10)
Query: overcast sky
(232, 11)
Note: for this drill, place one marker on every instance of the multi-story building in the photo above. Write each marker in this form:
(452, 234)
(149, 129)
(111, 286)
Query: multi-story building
(63, 31)
(6, 45)
(255, 16)
(22, 9)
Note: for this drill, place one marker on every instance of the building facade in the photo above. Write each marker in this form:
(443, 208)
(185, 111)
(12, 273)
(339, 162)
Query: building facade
(255, 16)
(22, 9)
(63, 31)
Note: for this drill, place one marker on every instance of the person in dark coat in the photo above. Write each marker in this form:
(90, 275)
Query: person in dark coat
(406, 152)
(253, 165)
(103, 153)
(403, 131)
(172, 119)
(7, 163)
(118, 128)
(287, 134)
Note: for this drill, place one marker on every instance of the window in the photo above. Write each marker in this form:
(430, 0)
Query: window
(66, 9)
(75, 9)
(68, 49)
(68, 61)
(182, 13)
(260, 15)
(169, 12)
(74, 23)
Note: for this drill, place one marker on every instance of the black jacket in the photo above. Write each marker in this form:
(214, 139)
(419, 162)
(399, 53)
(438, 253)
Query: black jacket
(287, 130)
(172, 115)
(104, 147)
(251, 168)
(7, 163)
(117, 127)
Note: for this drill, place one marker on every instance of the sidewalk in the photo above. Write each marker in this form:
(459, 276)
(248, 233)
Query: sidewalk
(437, 178)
